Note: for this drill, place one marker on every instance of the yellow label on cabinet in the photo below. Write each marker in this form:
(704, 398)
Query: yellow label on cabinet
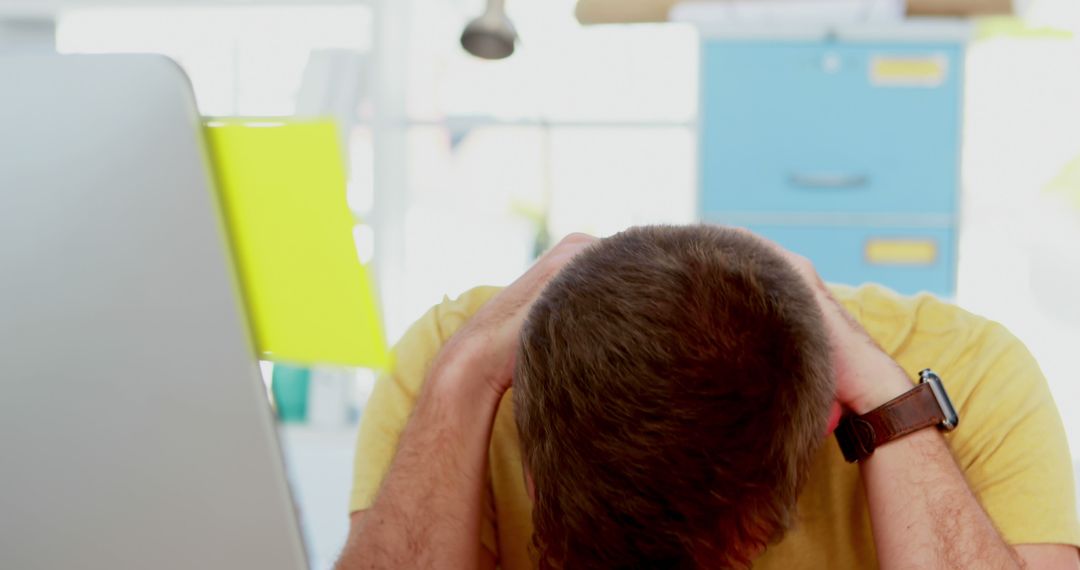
(906, 71)
(901, 251)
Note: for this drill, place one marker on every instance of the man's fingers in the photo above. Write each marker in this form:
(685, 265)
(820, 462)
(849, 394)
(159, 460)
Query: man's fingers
(578, 238)
(571, 245)
(801, 263)
(557, 257)
(519, 296)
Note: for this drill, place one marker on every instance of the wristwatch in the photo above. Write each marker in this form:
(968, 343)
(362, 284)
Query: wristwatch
(923, 406)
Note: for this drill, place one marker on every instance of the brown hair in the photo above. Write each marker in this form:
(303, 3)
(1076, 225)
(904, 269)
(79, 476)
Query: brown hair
(672, 386)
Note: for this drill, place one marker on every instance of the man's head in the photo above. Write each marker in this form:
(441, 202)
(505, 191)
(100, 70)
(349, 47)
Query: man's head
(672, 386)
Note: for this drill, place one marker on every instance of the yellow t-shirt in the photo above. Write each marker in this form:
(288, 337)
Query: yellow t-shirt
(1010, 443)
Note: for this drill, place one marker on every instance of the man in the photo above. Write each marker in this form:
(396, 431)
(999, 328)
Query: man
(674, 392)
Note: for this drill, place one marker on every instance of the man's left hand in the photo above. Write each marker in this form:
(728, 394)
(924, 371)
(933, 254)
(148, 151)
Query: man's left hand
(866, 377)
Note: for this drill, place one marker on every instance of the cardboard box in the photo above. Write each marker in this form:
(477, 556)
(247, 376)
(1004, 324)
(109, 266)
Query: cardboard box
(958, 7)
(627, 11)
(622, 11)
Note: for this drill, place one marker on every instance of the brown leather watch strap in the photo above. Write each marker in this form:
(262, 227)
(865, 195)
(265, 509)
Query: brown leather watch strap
(916, 409)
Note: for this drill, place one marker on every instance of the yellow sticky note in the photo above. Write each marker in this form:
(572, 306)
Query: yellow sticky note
(891, 71)
(282, 187)
(903, 251)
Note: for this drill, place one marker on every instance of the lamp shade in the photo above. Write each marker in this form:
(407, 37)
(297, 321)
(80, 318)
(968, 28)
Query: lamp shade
(309, 298)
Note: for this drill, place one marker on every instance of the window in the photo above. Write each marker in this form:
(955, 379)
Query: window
(577, 120)
(241, 61)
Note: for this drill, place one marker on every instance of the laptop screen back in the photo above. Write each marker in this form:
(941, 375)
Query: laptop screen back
(134, 426)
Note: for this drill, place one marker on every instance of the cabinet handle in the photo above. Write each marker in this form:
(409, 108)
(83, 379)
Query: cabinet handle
(820, 181)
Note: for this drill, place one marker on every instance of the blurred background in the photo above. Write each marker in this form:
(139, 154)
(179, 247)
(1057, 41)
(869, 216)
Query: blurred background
(461, 169)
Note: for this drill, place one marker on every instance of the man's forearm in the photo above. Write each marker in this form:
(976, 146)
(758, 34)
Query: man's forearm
(429, 510)
(923, 513)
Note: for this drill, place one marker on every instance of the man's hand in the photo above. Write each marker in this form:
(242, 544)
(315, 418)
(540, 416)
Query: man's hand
(866, 377)
(429, 510)
(487, 344)
(922, 511)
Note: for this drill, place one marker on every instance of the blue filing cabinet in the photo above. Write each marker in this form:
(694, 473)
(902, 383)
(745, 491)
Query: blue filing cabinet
(846, 150)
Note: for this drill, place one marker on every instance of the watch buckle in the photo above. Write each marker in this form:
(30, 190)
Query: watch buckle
(950, 418)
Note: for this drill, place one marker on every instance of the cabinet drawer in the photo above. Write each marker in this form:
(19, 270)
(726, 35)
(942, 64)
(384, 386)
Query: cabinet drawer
(827, 127)
(908, 260)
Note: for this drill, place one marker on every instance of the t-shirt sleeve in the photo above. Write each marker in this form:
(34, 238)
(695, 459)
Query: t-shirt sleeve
(394, 396)
(1015, 454)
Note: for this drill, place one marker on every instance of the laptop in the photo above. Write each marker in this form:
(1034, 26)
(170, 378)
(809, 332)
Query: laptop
(135, 430)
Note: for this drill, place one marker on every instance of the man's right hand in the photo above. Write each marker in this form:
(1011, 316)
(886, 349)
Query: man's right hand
(487, 345)
(429, 509)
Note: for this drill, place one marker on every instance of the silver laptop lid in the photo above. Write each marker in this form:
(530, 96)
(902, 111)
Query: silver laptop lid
(134, 427)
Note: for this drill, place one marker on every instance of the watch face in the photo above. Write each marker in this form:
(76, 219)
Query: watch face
(951, 419)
